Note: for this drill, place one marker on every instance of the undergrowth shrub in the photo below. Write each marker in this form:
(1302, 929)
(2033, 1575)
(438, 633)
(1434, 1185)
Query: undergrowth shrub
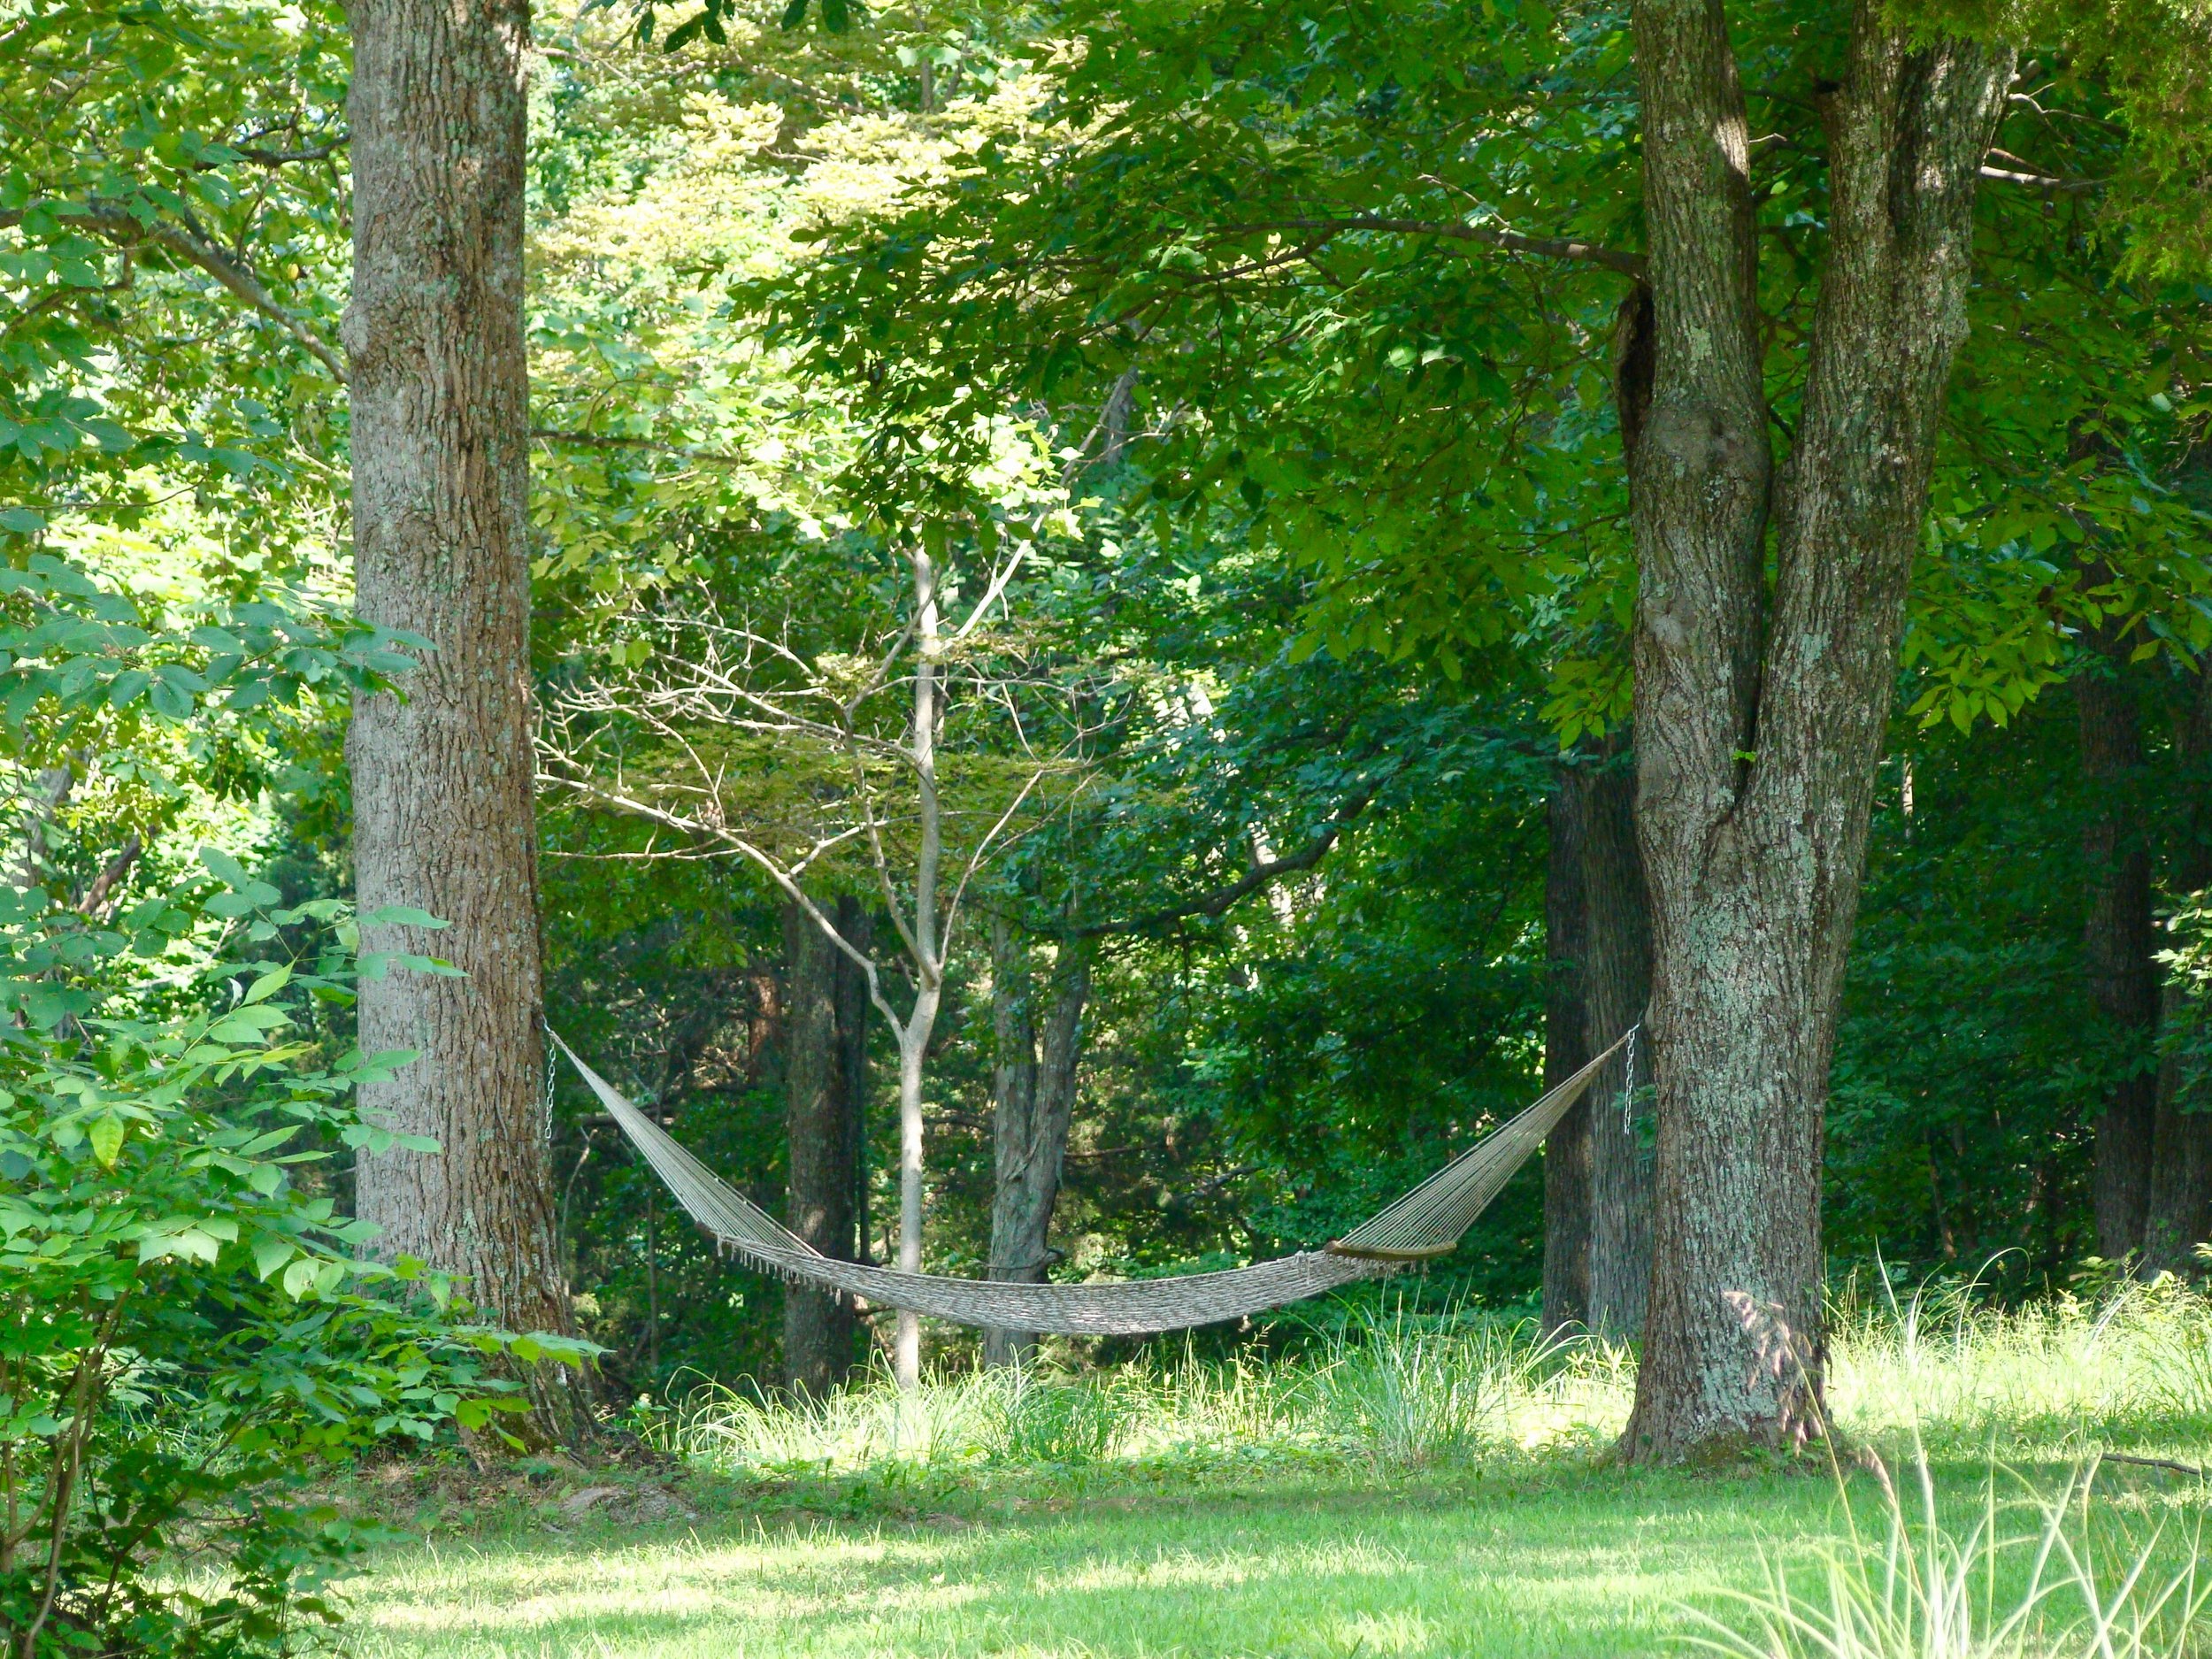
(186, 1334)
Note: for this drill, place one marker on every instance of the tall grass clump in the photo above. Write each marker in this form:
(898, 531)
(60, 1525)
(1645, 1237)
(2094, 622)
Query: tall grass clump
(1941, 1368)
(1392, 1390)
(2130, 1365)
(2031, 1580)
(1408, 1394)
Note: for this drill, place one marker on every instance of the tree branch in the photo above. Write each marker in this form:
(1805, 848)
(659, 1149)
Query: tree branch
(126, 229)
(2043, 181)
(612, 441)
(1566, 247)
(1222, 899)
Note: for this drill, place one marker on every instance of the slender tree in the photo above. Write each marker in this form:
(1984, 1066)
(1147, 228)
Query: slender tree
(2117, 936)
(444, 822)
(1760, 708)
(1566, 1288)
(822, 1100)
(1597, 1169)
(2179, 1207)
(1616, 987)
(718, 690)
(1033, 1082)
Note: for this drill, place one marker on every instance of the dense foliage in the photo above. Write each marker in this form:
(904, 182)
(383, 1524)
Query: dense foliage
(1267, 353)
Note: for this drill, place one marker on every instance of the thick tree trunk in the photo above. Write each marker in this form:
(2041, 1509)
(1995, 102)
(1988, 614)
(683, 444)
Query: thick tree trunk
(1617, 986)
(819, 1327)
(1035, 1101)
(2123, 979)
(1567, 1148)
(1757, 738)
(443, 781)
(2180, 1202)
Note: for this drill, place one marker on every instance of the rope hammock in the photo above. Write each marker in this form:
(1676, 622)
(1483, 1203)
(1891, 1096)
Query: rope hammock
(1424, 1223)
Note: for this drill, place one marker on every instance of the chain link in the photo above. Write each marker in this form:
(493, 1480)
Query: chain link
(1628, 1083)
(552, 1076)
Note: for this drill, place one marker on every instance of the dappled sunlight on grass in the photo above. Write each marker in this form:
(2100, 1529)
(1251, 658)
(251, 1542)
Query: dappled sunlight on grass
(1305, 1570)
(1422, 1488)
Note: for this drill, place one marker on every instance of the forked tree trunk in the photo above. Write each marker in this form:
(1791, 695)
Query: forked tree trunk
(1758, 723)
(2123, 979)
(1567, 1148)
(443, 781)
(1034, 1085)
(2180, 1205)
(820, 1110)
(1616, 988)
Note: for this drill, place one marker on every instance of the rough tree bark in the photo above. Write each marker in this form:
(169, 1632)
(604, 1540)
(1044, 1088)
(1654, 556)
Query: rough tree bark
(2118, 946)
(1034, 1084)
(1567, 1148)
(821, 1112)
(442, 783)
(1759, 721)
(1616, 988)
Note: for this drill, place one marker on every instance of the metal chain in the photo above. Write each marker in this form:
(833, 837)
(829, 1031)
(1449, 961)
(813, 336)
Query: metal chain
(1628, 1084)
(552, 1076)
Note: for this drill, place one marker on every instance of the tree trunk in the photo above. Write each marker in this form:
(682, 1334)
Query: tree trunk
(2180, 1200)
(1616, 985)
(906, 1352)
(1756, 737)
(1567, 1148)
(923, 948)
(850, 984)
(819, 1326)
(2123, 981)
(1035, 1102)
(442, 780)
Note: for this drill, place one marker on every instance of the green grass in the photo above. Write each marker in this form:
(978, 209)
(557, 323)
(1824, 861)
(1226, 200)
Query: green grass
(1418, 1491)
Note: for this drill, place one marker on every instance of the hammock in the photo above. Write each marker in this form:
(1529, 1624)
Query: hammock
(1424, 1223)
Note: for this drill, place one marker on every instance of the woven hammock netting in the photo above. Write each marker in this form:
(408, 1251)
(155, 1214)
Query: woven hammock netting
(1426, 1222)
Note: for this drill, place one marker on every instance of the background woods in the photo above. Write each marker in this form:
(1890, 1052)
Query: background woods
(1076, 640)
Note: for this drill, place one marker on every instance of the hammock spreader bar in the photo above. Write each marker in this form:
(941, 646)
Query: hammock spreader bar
(1426, 1222)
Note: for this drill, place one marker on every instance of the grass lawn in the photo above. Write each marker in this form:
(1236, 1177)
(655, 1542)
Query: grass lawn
(1331, 1510)
(1558, 1561)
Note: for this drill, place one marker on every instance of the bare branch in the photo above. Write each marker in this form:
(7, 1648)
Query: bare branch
(2043, 182)
(766, 863)
(1265, 871)
(1565, 248)
(975, 860)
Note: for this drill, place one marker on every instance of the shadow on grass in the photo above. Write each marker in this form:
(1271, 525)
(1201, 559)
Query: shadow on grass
(1549, 1561)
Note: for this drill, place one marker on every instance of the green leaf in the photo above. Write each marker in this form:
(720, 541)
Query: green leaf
(269, 1254)
(106, 1135)
(269, 984)
(223, 867)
